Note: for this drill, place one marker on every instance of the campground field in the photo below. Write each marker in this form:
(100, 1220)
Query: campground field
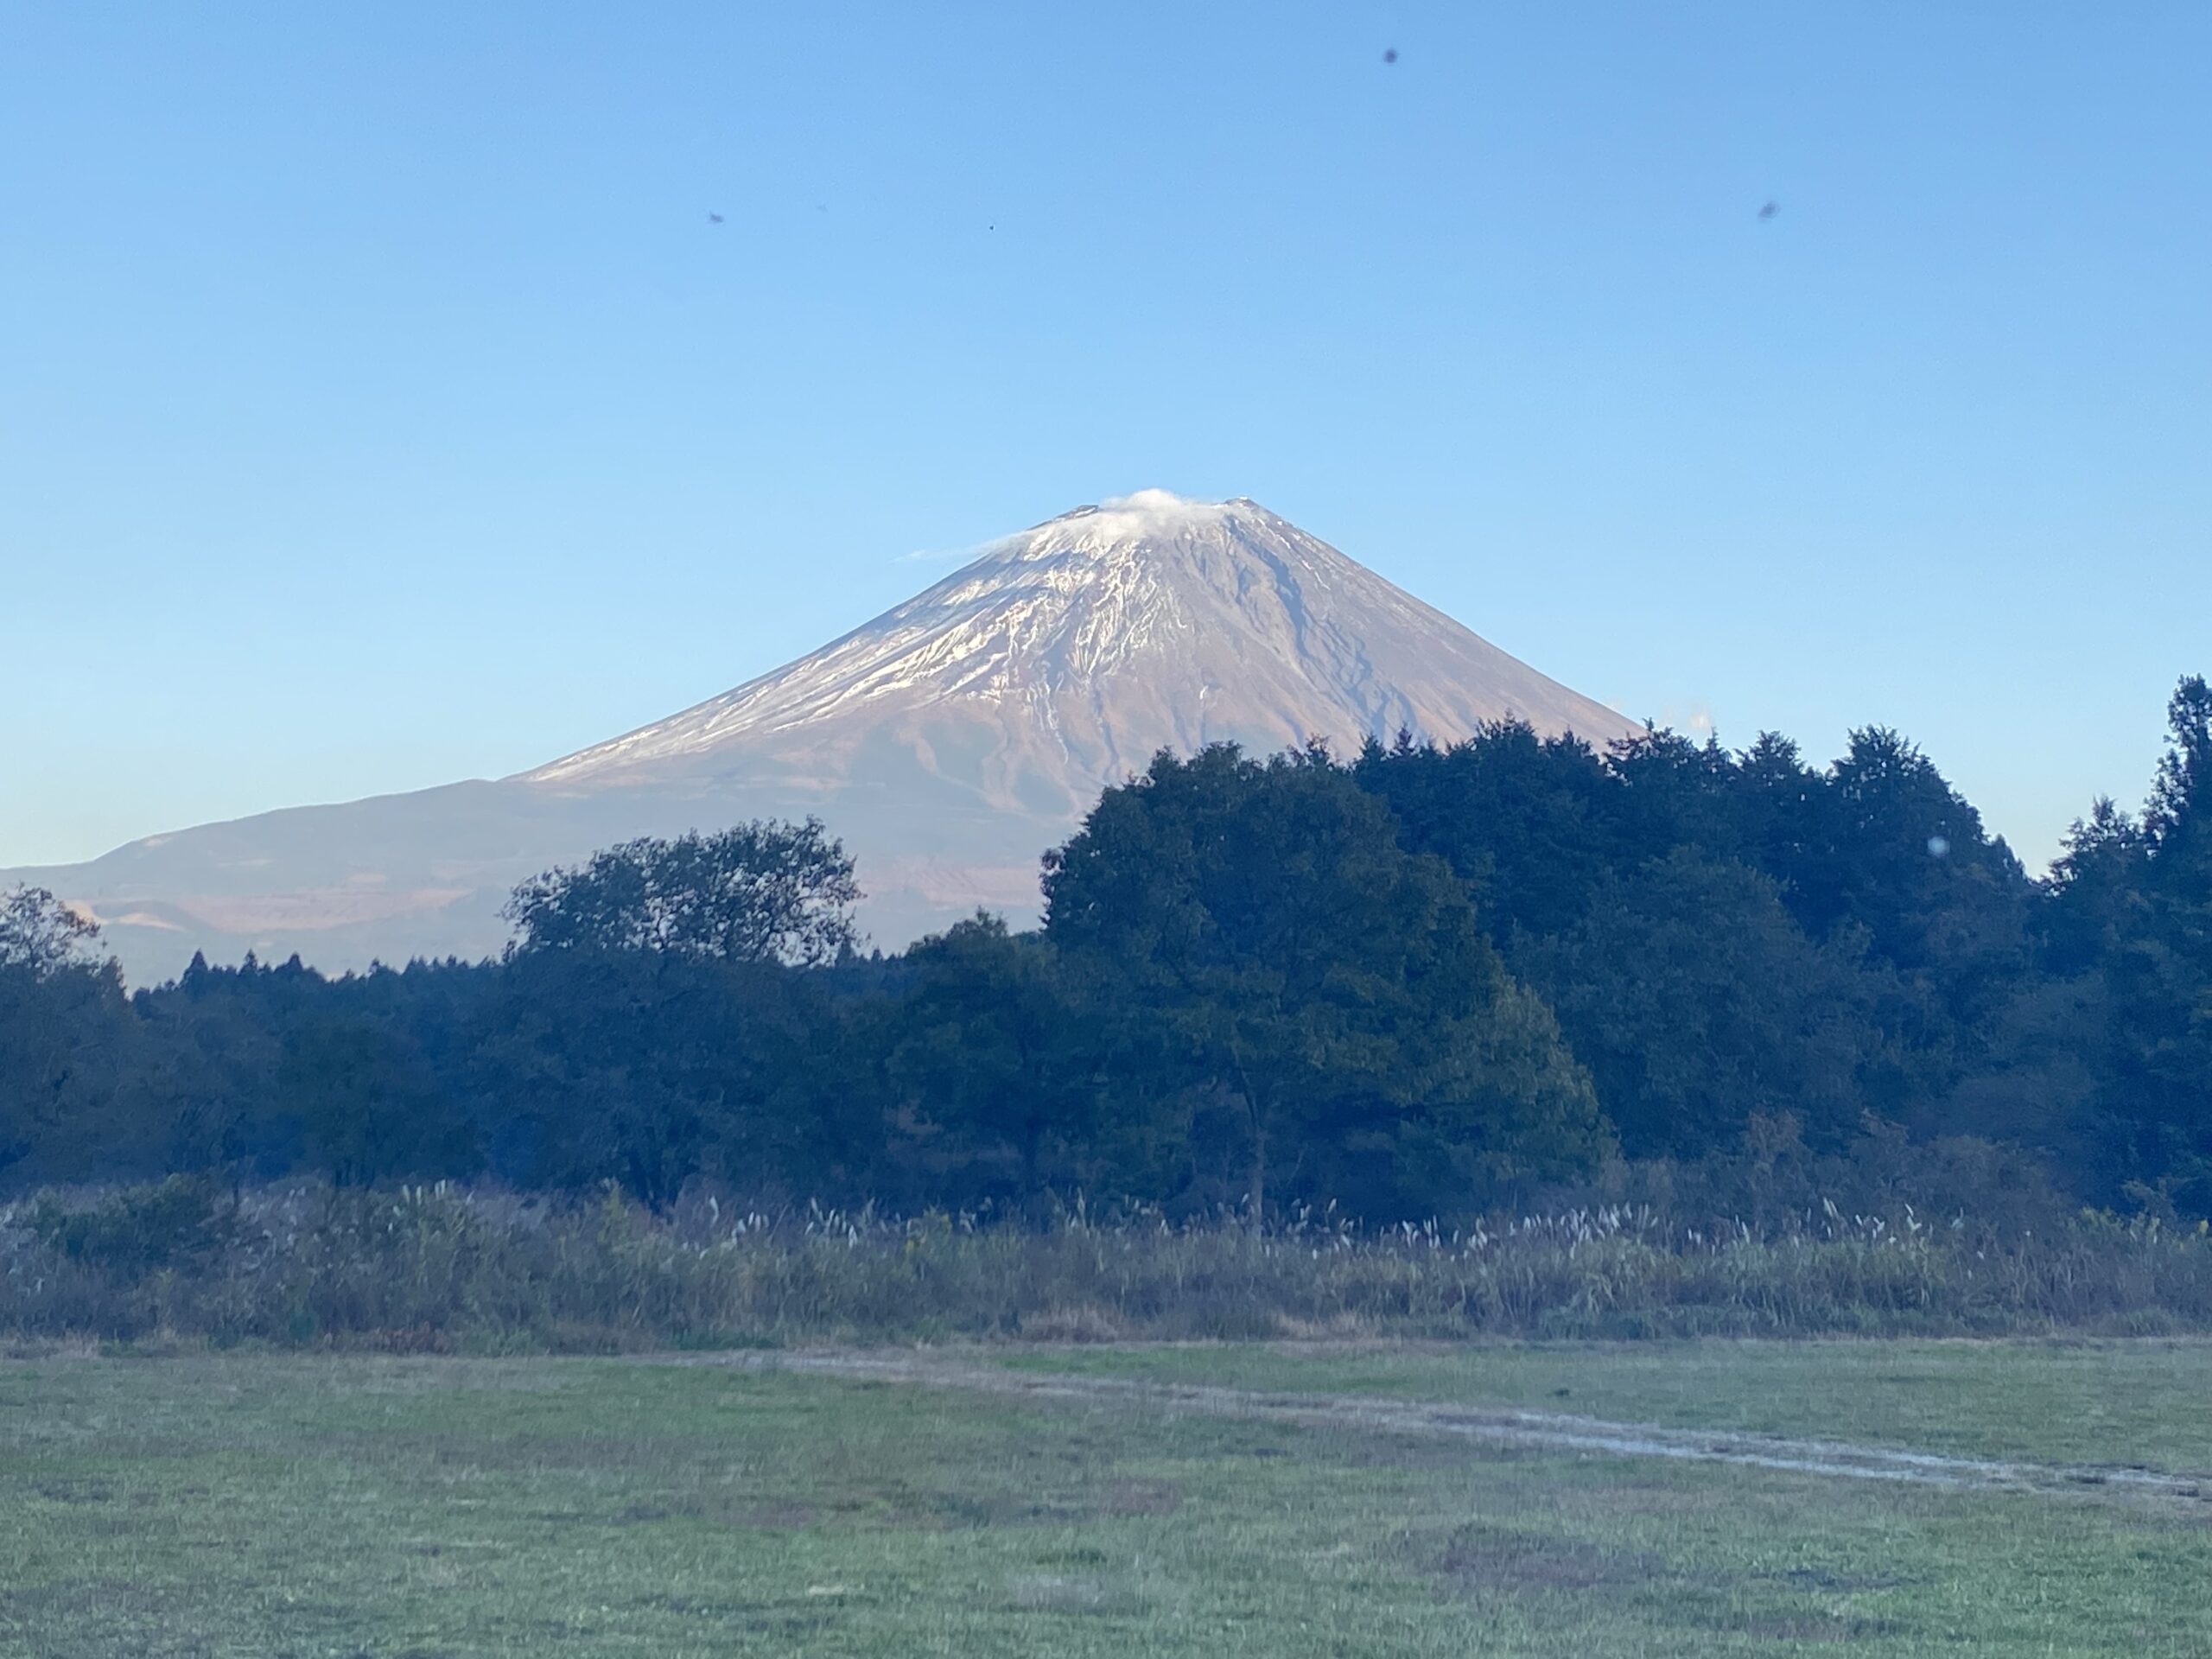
(1877, 1498)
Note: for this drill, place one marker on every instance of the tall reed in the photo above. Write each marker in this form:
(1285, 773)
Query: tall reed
(442, 1268)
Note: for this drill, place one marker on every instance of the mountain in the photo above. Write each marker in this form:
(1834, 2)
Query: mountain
(948, 742)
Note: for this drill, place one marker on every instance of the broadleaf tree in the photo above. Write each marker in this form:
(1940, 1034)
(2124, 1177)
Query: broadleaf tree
(765, 891)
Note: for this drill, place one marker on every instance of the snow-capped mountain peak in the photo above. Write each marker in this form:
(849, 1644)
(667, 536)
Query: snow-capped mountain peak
(1079, 646)
(948, 742)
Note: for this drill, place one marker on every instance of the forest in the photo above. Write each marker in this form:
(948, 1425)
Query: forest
(1414, 982)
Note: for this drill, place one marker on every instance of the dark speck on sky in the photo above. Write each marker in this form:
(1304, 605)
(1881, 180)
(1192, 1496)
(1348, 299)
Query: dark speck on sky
(714, 219)
(1769, 210)
(1391, 54)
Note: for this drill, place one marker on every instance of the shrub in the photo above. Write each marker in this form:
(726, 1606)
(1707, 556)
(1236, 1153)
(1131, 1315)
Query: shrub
(178, 1223)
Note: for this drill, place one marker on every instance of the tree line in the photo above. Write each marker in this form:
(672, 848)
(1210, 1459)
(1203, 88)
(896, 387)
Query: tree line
(1415, 981)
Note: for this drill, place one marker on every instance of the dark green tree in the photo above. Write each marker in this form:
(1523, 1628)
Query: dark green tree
(371, 1109)
(221, 1045)
(1776, 800)
(649, 1069)
(2095, 886)
(40, 936)
(1528, 823)
(998, 1053)
(1698, 1003)
(1896, 850)
(1670, 792)
(2154, 1106)
(1309, 968)
(70, 1066)
(2177, 820)
(74, 1079)
(762, 892)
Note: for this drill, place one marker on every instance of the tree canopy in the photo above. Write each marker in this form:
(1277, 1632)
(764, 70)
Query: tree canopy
(40, 936)
(1429, 981)
(1304, 964)
(760, 892)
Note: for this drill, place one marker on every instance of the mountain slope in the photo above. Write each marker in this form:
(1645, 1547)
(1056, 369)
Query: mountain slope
(1077, 650)
(949, 742)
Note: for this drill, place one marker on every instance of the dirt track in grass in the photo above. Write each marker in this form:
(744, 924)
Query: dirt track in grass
(1509, 1426)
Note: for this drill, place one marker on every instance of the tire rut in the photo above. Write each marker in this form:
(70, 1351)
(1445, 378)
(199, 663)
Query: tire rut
(1511, 1426)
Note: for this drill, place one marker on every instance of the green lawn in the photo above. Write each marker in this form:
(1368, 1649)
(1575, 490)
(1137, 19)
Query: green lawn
(349, 1506)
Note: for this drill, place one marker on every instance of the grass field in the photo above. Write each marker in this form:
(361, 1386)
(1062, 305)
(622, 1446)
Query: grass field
(347, 1505)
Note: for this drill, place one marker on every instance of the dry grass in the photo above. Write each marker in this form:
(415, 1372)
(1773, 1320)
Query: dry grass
(433, 1270)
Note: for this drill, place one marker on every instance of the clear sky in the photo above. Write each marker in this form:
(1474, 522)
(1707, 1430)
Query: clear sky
(379, 406)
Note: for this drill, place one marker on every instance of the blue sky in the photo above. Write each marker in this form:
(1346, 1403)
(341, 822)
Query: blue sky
(378, 405)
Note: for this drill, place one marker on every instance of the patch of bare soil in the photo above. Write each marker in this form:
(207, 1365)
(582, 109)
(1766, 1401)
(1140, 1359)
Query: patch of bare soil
(1143, 1498)
(1487, 1558)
